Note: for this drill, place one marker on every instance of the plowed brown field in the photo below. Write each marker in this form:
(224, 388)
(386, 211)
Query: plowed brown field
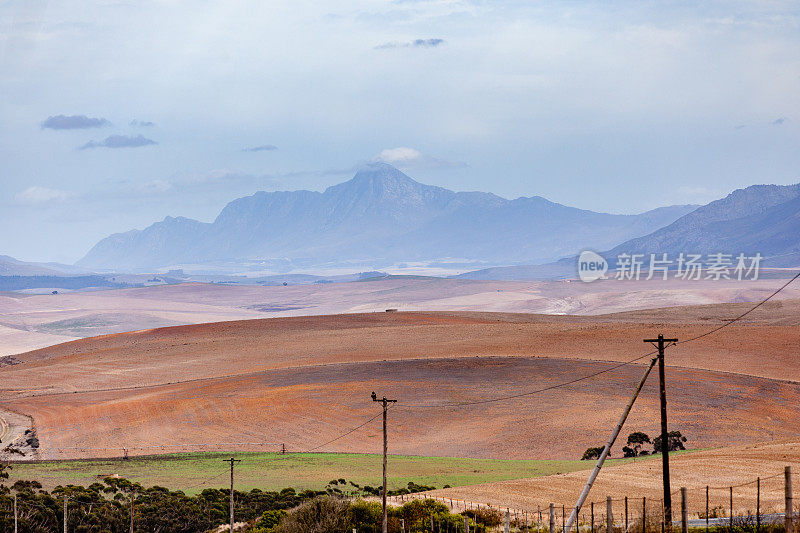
(303, 381)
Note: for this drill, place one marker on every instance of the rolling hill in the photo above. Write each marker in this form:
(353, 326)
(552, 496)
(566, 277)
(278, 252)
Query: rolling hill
(303, 381)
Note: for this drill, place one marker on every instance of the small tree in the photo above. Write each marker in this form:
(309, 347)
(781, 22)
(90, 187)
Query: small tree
(636, 440)
(674, 442)
(593, 453)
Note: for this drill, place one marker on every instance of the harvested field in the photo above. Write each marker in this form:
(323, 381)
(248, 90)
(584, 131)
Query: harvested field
(718, 468)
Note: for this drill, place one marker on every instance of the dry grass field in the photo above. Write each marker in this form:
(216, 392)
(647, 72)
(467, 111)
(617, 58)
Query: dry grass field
(718, 468)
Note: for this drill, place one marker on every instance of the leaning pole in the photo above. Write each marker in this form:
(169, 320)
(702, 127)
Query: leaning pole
(602, 459)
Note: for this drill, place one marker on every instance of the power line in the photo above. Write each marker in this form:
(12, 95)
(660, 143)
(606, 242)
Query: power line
(728, 323)
(529, 393)
(620, 365)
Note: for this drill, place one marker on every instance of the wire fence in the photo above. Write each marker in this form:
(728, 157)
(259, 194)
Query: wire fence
(763, 504)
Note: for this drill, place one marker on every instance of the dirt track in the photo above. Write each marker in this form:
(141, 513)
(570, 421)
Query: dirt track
(305, 380)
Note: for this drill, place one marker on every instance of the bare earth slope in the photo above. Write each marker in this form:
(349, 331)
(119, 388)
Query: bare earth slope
(304, 381)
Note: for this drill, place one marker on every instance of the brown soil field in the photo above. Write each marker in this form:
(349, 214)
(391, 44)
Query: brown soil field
(304, 381)
(717, 468)
(28, 322)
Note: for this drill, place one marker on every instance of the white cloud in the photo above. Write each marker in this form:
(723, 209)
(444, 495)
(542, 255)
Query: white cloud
(398, 155)
(405, 157)
(36, 195)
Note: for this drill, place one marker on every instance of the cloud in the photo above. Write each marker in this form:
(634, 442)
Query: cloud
(778, 121)
(120, 141)
(416, 43)
(262, 148)
(142, 123)
(73, 122)
(36, 195)
(405, 157)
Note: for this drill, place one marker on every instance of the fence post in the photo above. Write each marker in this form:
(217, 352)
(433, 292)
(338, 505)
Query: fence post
(552, 518)
(591, 506)
(788, 518)
(508, 522)
(758, 505)
(626, 514)
(730, 520)
(644, 514)
(684, 512)
(466, 524)
(402, 525)
(706, 508)
(609, 515)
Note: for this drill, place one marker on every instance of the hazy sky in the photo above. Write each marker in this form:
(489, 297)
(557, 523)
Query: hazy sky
(114, 114)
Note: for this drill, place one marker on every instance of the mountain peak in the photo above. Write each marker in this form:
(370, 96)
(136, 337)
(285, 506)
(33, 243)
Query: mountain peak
(381, 173)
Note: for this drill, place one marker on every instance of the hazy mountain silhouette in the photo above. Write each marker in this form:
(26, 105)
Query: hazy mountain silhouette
(381, 216)
(761, 219)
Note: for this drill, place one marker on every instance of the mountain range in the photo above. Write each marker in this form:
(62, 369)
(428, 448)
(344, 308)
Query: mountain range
(380, 216)
(762, 219)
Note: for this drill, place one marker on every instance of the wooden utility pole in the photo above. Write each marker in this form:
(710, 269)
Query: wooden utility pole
(16, 525)
(65, 513)
(384, 402)
(232, 461)
(661, 343)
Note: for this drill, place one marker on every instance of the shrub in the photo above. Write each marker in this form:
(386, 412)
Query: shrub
(320, 515)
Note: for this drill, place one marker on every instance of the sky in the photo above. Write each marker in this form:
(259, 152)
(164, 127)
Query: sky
(115, 114)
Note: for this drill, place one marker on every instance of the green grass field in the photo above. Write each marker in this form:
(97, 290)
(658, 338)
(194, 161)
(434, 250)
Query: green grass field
(269, 471)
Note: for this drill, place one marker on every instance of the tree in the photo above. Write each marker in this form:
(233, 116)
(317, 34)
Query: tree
(635, 442)
(674, 442)
(593, 453)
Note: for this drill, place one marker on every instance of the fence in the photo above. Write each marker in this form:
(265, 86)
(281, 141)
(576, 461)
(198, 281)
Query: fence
(756, 505)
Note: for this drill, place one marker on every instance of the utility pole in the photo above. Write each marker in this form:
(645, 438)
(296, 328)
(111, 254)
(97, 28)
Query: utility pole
(65, 513)
(15, 513)
(384, 402)
(131, 510)
(232, 461)
(661, 343)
